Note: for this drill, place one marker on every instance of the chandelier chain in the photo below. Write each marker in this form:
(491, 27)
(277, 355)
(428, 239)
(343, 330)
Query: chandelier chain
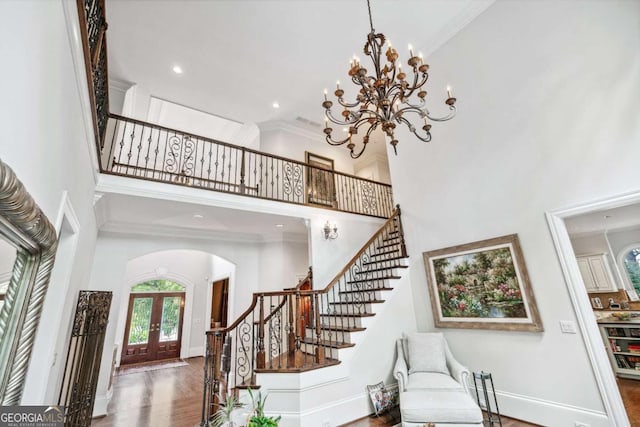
(370, 19)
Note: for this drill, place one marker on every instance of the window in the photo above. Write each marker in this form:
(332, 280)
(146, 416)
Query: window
(632, 267)
(158, 286)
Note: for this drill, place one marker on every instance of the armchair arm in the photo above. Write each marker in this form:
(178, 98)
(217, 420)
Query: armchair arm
(459, 372)
(400, 371)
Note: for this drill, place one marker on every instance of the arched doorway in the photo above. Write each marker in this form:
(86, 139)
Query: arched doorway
(153, 330)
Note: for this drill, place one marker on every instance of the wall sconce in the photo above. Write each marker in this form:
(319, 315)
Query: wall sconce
(330, 232)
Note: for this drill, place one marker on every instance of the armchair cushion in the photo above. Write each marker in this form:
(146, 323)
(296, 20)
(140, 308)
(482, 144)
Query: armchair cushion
(427, 353)
(433, 381)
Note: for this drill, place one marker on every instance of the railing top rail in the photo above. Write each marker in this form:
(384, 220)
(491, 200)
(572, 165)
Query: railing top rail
(239, 147)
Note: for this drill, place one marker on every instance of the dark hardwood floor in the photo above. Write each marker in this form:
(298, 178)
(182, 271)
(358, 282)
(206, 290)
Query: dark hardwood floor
(172, 397)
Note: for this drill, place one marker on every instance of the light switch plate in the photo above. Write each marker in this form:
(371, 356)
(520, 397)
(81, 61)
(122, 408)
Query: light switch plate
(568, 326)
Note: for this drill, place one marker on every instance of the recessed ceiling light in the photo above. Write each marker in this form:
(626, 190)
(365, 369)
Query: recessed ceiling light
(279, 225)
(275, 105)
(198, 216)
(176, 69)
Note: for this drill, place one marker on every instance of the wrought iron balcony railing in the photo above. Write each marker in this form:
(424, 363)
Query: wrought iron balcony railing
(143, 150)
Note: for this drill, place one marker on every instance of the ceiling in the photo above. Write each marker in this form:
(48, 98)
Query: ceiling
(141, 215)
(239, 57)
(624, 217)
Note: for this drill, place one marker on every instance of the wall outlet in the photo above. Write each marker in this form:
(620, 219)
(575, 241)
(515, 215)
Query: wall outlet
(581, 424)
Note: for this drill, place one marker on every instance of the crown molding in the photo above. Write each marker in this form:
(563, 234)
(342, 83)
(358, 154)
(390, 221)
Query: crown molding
(119, 227)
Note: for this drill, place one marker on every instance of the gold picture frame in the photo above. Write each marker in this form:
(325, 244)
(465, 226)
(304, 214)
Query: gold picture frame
(482, 285)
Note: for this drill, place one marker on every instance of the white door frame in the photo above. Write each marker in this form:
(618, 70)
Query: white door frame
(602, 371)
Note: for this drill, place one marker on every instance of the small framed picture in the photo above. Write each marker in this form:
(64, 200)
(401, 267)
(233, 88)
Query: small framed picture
(596, 303)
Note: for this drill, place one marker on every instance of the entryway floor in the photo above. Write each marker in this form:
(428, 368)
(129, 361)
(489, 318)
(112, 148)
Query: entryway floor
(169, 397)
(172, 397)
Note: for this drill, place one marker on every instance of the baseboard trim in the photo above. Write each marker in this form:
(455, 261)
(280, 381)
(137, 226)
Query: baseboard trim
(546, 412)
(195, 352)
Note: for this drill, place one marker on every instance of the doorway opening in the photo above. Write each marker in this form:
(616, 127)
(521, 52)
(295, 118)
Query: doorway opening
(219, 303)
(153, 330)
(596, 231)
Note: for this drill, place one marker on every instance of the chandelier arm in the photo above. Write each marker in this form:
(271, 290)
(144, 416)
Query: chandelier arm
(449, 116)
(330, 116)
(426, 138)
(347, 104)
(416, 86)
(332, 141)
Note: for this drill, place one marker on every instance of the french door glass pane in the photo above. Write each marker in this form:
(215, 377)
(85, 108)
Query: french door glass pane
(140, 321)
(170, 318)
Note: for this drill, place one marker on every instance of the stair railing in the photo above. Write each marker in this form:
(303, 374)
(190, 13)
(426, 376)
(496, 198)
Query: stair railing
(299, 328)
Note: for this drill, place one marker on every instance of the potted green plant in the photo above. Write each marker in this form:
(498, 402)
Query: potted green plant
(224, 414)
(258, 419)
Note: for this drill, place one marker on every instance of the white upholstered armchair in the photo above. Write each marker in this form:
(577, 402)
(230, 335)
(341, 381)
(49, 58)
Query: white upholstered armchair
(433, 385)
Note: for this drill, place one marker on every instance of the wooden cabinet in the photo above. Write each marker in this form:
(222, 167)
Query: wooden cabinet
(596, 273)
(622, 341)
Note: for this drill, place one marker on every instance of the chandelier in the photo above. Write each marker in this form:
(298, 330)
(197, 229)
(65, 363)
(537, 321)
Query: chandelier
(385, 98)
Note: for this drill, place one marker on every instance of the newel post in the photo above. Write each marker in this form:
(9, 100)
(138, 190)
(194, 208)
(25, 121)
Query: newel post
(403, 246)
(260, 356)
(319, 348)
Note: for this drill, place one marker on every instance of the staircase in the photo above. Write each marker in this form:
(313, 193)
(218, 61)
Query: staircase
(302, 329)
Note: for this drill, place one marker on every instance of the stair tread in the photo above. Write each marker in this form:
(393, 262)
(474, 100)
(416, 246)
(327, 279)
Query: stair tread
(349, 315)
(373, 301)
(327, 343)
(366, 290)
(340, 328)
(374, 279)
(395, 258)
(390, 267)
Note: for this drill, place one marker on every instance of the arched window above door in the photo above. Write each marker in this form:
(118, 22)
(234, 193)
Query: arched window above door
(160, 285)
(631, 259)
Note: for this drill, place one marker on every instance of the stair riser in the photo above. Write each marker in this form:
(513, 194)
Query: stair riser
(310, 349)
(362, 275)
(362, 296)
(336, 336)
(342, 322)
(354, 308)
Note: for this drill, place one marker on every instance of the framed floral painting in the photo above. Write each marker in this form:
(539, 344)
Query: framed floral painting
(482, 285)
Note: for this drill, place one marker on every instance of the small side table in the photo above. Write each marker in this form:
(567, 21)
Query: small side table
(492, 417)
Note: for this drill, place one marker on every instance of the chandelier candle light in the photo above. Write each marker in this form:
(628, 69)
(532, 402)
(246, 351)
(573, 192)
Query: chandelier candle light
(384, 99)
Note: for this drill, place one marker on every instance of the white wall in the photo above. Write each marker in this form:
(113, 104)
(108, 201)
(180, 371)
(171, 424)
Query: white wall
(140, 104)
(46, 145)
(281, 263)
(547, 119)
(288, 141)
